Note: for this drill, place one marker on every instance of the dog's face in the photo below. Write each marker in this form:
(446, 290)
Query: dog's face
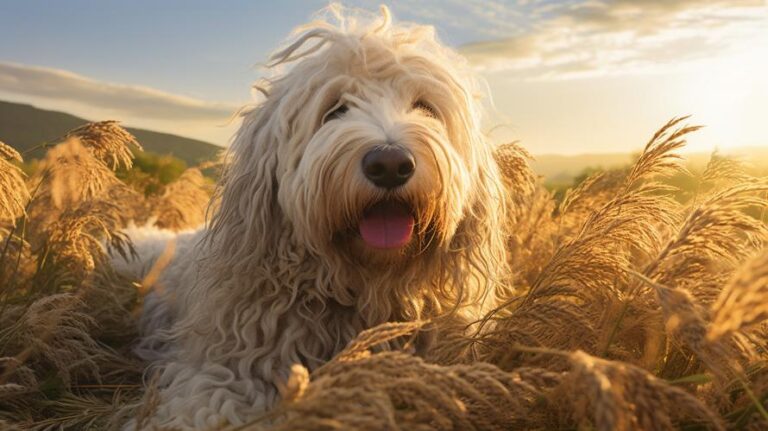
(380, 161)
(367, 149)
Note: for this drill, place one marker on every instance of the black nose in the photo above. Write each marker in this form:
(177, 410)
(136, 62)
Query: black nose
(389, 167)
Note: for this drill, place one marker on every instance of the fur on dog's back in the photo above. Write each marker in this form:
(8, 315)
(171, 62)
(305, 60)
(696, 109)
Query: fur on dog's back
(165, 264)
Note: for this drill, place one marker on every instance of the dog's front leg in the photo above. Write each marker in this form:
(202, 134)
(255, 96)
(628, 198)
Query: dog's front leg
(205, 397)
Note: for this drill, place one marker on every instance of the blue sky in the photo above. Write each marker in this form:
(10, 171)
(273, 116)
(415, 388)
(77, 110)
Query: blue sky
(567, 76)
(200, 48)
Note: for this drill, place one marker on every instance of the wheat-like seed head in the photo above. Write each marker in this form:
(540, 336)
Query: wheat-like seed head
(75, 240)
(724, 170)
(13, 191)
(70, 174)
(687, 322)
(513, 163)
(616, 396)
(743, 303)
(715, 237)
(9, 153)
(52, 329)
(588, 270)
(184, 202)
(108, 142)
(659, 156)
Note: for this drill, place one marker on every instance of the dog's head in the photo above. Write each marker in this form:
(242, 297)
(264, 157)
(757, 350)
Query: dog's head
(367, 148)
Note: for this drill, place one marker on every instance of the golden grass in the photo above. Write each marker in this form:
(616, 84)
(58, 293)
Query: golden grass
(184, 202)
(15, 194)
(628, 309)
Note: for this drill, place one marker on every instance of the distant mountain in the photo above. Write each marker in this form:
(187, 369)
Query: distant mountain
(24, 126)
(562, 167)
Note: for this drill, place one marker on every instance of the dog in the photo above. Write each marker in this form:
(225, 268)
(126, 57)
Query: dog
(360, 190)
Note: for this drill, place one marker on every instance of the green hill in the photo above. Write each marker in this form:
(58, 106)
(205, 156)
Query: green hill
(24, 126)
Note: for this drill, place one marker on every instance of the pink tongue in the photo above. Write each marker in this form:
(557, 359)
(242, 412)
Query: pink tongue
(387, 225)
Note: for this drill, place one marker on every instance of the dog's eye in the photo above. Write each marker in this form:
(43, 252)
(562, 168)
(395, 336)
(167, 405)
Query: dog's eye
(425, 108)
(335, 113)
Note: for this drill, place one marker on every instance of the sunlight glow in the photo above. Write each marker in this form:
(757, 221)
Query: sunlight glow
(729, 93)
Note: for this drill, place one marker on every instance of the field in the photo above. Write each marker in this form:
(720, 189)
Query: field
(638, 300)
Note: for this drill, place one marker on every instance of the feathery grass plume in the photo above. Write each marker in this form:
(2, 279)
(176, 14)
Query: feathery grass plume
(627, 222)
(52, 333)
(580, 192)
(83, 412)
(593, 192)
(136, 208)
(717, 235)
(392, 390)
(699, 257)
(615, 396)
(743, 303)
(528, 203)
(75, 241)
(20, 380)
(688, 323)
(70, 174)
(586, 272)
(143, 409)
(9, 153)
(519, 178)
(377, 336)
(13, 192)
(72, 183)
(659, 155)
(580, 202)
(184, 202)
(16, 258)
(533, 236)
(108, 142)
(112, 300)
(723, 170)
(59, 360)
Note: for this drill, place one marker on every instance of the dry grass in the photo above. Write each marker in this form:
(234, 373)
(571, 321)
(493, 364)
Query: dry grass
(108, 142)
(629, 309)
(15, 194)
(184, 203)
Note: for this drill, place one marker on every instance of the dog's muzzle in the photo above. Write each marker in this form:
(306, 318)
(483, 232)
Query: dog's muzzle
(388, 224)
(389, 167)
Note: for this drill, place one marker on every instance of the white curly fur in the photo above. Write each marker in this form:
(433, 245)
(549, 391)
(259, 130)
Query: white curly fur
(279, 276)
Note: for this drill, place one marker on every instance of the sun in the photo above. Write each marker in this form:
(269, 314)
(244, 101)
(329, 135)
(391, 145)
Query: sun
(729, 94)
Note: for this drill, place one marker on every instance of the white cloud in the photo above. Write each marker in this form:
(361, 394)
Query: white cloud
(588, 38)
(134, 105)
(126, 101)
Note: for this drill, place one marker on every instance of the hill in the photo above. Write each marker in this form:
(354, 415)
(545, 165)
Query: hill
(556, 167)
(563, 169)
(24, 126)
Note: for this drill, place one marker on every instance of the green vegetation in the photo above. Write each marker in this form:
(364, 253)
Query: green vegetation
(150, 172)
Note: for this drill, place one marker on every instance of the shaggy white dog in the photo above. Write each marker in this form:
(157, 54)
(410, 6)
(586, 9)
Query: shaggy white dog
(360, 191)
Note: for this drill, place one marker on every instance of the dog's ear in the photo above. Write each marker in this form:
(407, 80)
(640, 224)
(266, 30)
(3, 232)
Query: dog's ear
(481, 237)
(248, 218)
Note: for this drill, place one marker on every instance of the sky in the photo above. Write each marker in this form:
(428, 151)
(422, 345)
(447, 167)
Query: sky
(566, 76)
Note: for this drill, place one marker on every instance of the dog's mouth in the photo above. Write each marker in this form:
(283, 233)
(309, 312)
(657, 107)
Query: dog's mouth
(387, 225)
